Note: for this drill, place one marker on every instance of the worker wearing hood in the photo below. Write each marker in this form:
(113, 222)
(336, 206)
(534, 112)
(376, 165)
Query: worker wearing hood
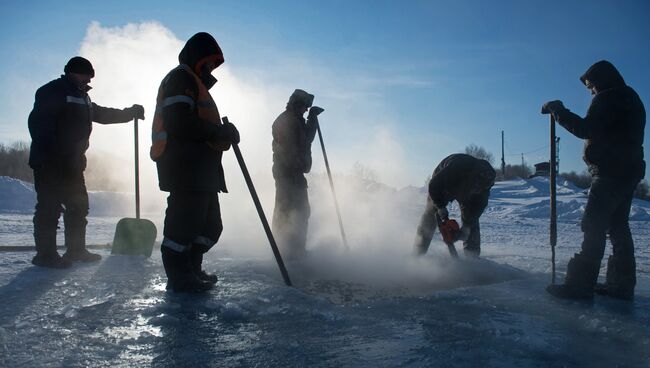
(613, 131)
(188, 140)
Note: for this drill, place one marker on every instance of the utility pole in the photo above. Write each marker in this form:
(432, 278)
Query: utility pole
(503, 161)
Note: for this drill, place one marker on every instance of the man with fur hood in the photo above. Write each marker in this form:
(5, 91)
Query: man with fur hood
(613, 132)
(467, 180)
(188, 142)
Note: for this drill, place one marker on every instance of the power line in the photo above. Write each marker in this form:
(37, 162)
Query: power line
(529, 152)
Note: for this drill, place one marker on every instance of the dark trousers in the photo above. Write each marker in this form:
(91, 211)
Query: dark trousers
(607, 212)
(192, 220)
(60, 189)
(429, 223)
(291, 215)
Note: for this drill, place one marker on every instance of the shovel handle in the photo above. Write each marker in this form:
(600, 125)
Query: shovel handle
(137, 169)
(260, 211)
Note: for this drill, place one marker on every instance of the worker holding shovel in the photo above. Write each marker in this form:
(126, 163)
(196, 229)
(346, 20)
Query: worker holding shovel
(60, 126)
(188, 142)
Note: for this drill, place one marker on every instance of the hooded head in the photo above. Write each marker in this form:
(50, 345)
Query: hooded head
(603, 75)
(200, 51)
(301, 98)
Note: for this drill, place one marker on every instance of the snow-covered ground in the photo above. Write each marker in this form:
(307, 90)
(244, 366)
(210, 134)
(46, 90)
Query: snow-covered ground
(372, 306)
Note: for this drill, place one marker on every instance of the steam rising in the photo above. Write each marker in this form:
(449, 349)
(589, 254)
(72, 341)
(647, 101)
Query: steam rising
(130, 62)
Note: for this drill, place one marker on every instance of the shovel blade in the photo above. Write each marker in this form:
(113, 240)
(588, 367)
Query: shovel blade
(134, 237)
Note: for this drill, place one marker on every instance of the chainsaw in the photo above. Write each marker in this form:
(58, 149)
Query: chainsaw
(450, 232)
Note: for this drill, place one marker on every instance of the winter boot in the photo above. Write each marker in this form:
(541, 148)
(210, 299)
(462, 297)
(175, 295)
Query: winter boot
(81, 255)
(197, 261)
(75, 243)
(50, 260)
(581, 277)
(621, 278)
(180, 277)
(46, 254)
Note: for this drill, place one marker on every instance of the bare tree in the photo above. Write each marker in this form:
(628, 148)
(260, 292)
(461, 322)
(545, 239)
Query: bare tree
(479, 152)
(14, 161)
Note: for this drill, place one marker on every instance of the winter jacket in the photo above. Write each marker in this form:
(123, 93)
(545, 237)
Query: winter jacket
(61, 121)
(292, 139)
(613, 127)
(191, 158)
(465, 179)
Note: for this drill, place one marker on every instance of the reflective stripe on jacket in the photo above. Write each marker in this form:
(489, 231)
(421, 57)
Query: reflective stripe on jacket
(205, 105)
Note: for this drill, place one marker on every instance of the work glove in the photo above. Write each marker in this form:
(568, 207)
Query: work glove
(137, 112)
(227, 132)
(314, 111)
(443, 214)
(552, 107)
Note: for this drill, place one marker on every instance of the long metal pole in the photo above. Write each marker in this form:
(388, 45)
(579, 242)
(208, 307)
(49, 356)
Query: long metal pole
(503, 161)
(553, 198)
(329, 174)
(260, 211)
(137, 170)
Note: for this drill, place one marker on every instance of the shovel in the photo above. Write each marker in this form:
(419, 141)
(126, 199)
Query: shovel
(134, 236)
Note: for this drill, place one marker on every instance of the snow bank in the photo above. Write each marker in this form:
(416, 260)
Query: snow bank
(530, 199)
(17, 196)
(523, 198)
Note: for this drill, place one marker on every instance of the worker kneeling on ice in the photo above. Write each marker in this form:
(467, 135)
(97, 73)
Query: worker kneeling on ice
(467, 180)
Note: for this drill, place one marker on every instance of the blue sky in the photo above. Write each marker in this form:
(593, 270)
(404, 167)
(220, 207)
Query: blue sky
(422, 79)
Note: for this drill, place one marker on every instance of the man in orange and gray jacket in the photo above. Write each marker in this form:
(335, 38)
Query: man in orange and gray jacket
(188, 142)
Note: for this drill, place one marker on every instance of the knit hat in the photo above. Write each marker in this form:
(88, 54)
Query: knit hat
(79, 65)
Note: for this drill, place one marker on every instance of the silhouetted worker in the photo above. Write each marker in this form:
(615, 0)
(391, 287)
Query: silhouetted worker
(188, 142)
(292, 139)
(60, 126)
(613, 131)
(467, 180)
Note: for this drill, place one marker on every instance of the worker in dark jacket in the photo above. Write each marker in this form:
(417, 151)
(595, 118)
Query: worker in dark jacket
(188, 142)
(613, 131)
(292, 139)
(467, 180)
(60, 126)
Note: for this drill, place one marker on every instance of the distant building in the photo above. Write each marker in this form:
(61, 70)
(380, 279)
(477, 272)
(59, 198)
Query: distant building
(542, 169)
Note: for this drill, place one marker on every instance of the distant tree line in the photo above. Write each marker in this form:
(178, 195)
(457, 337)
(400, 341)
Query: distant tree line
(14, 160)
(511, 172)
(14, 163)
